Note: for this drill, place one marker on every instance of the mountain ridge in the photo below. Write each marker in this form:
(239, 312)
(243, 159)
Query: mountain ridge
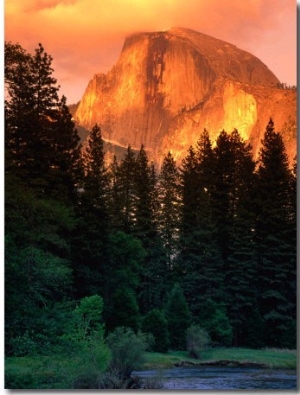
(167, 86)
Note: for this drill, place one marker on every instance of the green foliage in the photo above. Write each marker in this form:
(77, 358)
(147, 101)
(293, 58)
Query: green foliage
(198, 264)
(178, 316)
(144, 183)
(57, 371)
(127, 351)
(220, 328)
(197, 339)
(275, 238)
(168, 210)
(96, 176)
(214, 319)
(123, 194)
(84, 339)
(89, 313)
(42, 145)
(37, 265)
(126, 258)
(154, 322)
(124, 310)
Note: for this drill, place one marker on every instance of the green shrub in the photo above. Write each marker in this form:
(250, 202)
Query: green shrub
(15, 380)
(214, 319)
(197, 339)
(127, 351)
(23, 345)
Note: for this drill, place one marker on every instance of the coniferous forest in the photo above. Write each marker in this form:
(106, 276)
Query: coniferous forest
(91, 247)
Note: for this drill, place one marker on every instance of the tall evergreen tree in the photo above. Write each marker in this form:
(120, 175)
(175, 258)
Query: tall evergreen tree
(198, 263)
(96, 173)
(144, 218)
(124, 191)
(114, 201)
(240, 263)
(275, 238)
(66, 171)
(206, 161)
(41, 141)
(32, 99)
(223, 191)
(154, 272)
(91, 234)
(169, 207)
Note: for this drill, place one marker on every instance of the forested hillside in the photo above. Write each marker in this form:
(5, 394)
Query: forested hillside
(210, 241)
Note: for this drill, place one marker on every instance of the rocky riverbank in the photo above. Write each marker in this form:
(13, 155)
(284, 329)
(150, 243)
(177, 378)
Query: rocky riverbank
(228, 363)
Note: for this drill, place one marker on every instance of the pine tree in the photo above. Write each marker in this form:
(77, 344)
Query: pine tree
(198, 263)
(154, 271)
(96, 175)
(169, 207)
(144, 217)
(125, 190)
(114, 201)
(66, 172)
(36, 89)
(223, 191)
(275, 248)
(18, 104)
(240, 263)
(42, 143)
(206, 160)
(91, 234)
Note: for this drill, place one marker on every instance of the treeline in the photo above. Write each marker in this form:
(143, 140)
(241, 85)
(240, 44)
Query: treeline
(209, 242)
(284, 85)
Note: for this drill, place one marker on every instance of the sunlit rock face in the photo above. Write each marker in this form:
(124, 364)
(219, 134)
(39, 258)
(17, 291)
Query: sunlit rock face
(168, 86)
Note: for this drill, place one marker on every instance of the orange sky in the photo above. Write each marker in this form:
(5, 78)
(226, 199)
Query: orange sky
(86, 36)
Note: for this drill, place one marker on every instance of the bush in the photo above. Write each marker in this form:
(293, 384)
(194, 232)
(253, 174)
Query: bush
(197, 339)
(23, 345)
(221, 329)
(155, 323)
(127, 351)
(15, 380)
(214, 319)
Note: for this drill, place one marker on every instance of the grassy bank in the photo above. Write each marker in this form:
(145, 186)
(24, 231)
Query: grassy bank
(271, 358)
(43, 372)
(60, 372)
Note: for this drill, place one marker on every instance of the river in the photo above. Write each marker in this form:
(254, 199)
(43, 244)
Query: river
(223, 378)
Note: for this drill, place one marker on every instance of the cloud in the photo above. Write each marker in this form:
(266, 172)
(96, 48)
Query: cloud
(85, 37)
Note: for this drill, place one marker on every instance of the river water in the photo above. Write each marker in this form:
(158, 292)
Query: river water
(223, 378)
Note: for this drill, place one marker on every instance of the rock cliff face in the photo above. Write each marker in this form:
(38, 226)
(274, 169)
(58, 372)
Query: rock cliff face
(168, 86)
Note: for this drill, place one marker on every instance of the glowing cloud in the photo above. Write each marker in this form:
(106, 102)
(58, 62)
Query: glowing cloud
(85, 37)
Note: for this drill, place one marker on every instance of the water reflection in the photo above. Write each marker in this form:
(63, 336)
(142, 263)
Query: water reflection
(224, 378)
